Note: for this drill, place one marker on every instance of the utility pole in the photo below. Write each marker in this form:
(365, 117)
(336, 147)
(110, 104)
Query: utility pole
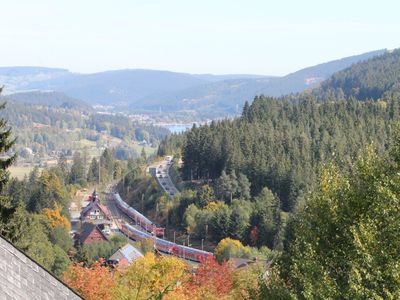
(99, 169)
(202, 244)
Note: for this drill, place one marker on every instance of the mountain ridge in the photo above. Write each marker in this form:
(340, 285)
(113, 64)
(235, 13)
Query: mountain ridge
(143, 89)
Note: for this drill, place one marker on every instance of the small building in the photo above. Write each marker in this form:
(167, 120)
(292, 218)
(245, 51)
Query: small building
(153, 171)
(239, 263)
(96, 213)
(125, 255)
(90, 233)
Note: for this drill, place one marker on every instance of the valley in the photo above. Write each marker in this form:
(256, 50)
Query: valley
(285, 183)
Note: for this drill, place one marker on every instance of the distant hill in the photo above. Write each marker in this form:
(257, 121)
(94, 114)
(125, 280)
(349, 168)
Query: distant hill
(122, 86)
(216, 95)
(51, 99)
(371, 79)
(17, 79)
(228, 95)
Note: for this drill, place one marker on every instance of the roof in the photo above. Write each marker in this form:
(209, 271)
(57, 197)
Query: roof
(100, 221)
(21, 277)
(127, 252)
(241, 262)
(87, 229)
(95, 202)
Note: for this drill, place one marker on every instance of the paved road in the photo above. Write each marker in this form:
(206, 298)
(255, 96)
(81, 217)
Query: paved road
(163, 178)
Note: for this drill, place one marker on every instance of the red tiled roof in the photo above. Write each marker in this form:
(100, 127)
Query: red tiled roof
(87, 229)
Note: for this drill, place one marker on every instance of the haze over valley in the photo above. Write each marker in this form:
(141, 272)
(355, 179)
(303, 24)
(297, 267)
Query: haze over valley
(197, 96)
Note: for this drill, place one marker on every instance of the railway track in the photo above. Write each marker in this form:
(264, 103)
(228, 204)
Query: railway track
(125, 217)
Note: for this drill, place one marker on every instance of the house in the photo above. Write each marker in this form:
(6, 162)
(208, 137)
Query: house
(90, 233)
(125, 255)
(152, 171)
(143, 143)
(239, 263)
(96, 213)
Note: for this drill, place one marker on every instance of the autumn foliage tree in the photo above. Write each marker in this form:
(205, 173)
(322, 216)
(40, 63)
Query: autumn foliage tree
(211, 280)
(149, 277)
(54, 218)
(91, 283)
(228, 248)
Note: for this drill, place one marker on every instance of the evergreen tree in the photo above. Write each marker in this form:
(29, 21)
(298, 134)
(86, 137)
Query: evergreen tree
(243, 186)
(7, 210)
(62, 166)
(77, 174)
(266, 217)
(93, 172)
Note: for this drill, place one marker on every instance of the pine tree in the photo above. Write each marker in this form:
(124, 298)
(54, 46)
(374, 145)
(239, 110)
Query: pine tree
(77, 173)
(6, 142)
(93, 172)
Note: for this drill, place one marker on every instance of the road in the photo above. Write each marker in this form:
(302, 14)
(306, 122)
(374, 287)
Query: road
(163, 178)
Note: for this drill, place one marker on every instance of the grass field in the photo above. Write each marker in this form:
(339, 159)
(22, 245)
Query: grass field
(147, 149)
(20, 172)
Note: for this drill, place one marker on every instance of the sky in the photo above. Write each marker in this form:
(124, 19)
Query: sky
(204, 36)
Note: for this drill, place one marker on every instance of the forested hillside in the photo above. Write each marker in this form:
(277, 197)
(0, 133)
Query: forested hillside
(313, 176)
(65, 125)
(376, 78)
(209, 96)
(229, 95)
(281, 145)
(52, 99)
(269, 160)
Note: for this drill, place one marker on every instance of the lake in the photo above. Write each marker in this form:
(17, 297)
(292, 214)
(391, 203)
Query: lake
(178, 128)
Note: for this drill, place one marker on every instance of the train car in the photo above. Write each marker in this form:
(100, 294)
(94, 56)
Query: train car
(134, 233)
(167, 246)
(139, 219)
(191, 253)
(161, 244)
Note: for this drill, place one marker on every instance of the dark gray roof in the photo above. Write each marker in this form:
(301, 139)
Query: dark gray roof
(93, 204)
(22, 278)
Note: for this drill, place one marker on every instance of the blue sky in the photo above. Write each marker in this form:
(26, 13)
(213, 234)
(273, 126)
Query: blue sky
(203, 36)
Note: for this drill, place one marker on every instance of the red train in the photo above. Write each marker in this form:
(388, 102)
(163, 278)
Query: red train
(166, 246)
(139, 219)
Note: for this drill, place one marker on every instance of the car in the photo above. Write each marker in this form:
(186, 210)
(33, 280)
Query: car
(171, 194)
(167, 188)
(164, 183)
(106, 231)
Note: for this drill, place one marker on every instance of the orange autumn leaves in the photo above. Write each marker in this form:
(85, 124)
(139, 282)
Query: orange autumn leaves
(92, 283)
(211, 280)
(153, 277)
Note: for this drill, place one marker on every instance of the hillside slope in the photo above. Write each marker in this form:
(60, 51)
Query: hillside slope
(213, 95)
(372, 79)
(50, 99)
(229, 95)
